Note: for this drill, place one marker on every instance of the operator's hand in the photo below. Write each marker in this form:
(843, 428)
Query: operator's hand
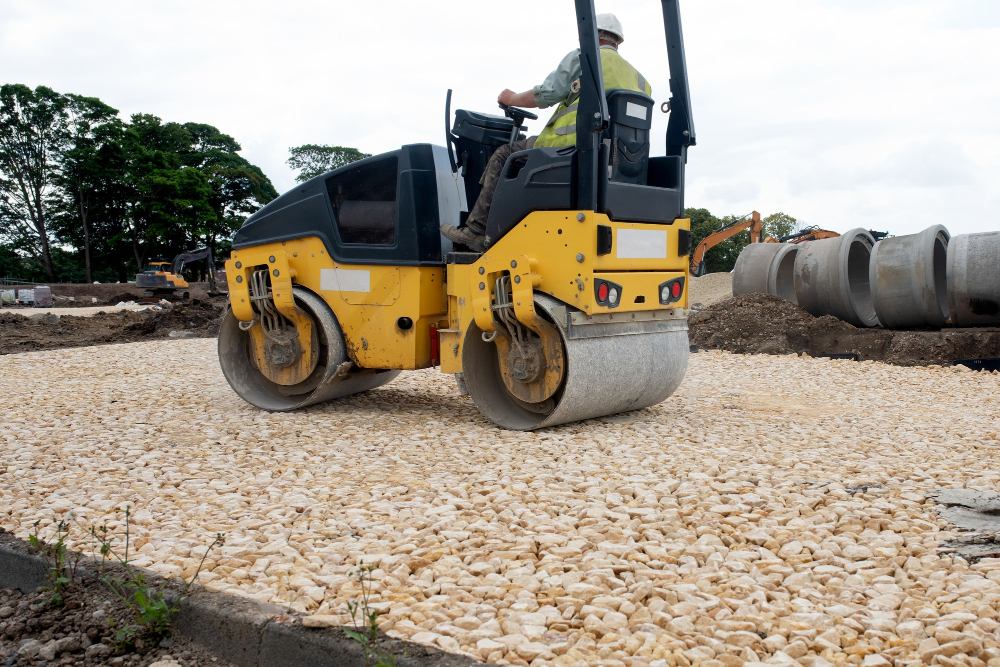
(507, 97)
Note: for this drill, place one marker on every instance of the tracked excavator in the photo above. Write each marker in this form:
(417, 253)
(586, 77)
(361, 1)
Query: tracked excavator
(164, 279)
(575, 310)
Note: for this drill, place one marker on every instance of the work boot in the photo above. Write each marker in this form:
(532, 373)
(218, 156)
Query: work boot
(464, 236)
(476, 226)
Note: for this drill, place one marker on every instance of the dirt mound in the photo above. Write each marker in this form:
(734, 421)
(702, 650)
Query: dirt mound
(767, 324)
(109, 294)
(196, 317)
(115, 299)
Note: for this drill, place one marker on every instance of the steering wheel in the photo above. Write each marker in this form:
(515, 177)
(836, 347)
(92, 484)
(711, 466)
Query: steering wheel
(515, 114)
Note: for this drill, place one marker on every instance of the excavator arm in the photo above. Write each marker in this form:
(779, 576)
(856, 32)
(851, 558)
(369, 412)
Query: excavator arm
(723, 233)
(193, 256)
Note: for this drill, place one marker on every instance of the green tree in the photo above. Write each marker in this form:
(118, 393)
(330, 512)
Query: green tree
(103, 194)
(315, 159)
(238, 187)
(85, 171)
(189, 186)
(32, 134)
(779, 224)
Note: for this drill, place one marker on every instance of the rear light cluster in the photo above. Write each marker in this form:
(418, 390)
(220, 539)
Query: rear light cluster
(608, 294)
(671, 291)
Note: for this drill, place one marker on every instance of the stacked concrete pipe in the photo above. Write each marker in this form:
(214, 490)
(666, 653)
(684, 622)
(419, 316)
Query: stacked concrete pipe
(909, 283)
(831, 277)
(974, 280)
(768, 268)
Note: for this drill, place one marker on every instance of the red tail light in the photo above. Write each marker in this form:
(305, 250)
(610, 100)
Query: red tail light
(608, 294)
(671, 291)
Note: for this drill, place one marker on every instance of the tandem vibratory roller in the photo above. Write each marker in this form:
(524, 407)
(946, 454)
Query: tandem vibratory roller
(576, 309)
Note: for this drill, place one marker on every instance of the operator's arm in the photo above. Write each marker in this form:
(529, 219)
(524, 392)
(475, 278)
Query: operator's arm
(550, 92)
(556, 87)
(525, 100)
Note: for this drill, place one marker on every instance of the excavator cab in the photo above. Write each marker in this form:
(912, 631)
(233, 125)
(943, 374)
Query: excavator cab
(161, 281)
(575, 310)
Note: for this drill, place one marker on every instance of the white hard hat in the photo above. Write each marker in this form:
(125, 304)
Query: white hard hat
(610, 23)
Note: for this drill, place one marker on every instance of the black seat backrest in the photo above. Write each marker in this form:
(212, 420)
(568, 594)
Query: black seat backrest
(631, 115)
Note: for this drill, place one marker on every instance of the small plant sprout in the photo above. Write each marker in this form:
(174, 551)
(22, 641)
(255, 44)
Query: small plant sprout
(60, 564)
(365, 621)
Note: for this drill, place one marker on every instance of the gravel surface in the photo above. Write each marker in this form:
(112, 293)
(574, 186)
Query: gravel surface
(772, 510)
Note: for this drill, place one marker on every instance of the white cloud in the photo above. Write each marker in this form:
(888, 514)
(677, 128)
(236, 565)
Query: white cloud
(879, 114)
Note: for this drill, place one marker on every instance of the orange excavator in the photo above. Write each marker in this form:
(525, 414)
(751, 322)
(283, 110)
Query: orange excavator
(808, 234)
(751, 222)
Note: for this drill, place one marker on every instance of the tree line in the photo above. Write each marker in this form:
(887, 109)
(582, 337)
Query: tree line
(85, 195)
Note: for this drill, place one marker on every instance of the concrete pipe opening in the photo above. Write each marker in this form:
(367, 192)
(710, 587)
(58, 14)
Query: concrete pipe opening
(831, 277)
(909, 279)
(781, 276)
(859, 283)
(973, 280)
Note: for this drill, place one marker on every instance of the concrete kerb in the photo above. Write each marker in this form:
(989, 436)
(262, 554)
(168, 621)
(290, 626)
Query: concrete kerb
(241, 631)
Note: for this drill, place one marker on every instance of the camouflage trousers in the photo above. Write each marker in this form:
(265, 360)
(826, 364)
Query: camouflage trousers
(481, 211)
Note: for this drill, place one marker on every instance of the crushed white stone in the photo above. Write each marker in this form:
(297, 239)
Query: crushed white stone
(710, 289)
(731, 524)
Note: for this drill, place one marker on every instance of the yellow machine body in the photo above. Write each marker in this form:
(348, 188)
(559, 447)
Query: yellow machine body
(368, 310)
(173, 279)
(550, 252)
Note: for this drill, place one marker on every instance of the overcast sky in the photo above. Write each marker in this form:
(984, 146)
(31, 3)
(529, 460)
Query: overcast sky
(880, 114)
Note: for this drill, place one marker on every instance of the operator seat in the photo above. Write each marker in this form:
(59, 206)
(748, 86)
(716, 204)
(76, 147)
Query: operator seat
(627, 136)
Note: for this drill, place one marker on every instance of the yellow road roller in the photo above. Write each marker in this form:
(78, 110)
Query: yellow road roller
(576, 309)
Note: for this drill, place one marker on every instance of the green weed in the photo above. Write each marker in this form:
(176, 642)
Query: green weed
(60, 563)
(152, 610)
(365, 630)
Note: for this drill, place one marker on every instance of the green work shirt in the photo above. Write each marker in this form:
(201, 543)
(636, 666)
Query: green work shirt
(557, 89)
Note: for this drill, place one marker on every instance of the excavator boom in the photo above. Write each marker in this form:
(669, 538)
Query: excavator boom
(723, 233)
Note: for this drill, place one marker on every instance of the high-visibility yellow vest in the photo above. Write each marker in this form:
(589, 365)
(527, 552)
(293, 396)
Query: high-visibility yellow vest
(561, 128)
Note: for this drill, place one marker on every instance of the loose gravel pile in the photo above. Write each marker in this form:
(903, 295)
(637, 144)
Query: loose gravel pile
(772, 510)
(710, 289)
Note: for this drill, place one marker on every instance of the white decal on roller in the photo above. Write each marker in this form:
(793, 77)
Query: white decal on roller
(641, 244)
(635, 110)
(345, 280)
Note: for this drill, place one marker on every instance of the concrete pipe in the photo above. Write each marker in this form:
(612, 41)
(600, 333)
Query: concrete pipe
(974, 280)
(909, 283)
(768, 268)
(831, 277)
